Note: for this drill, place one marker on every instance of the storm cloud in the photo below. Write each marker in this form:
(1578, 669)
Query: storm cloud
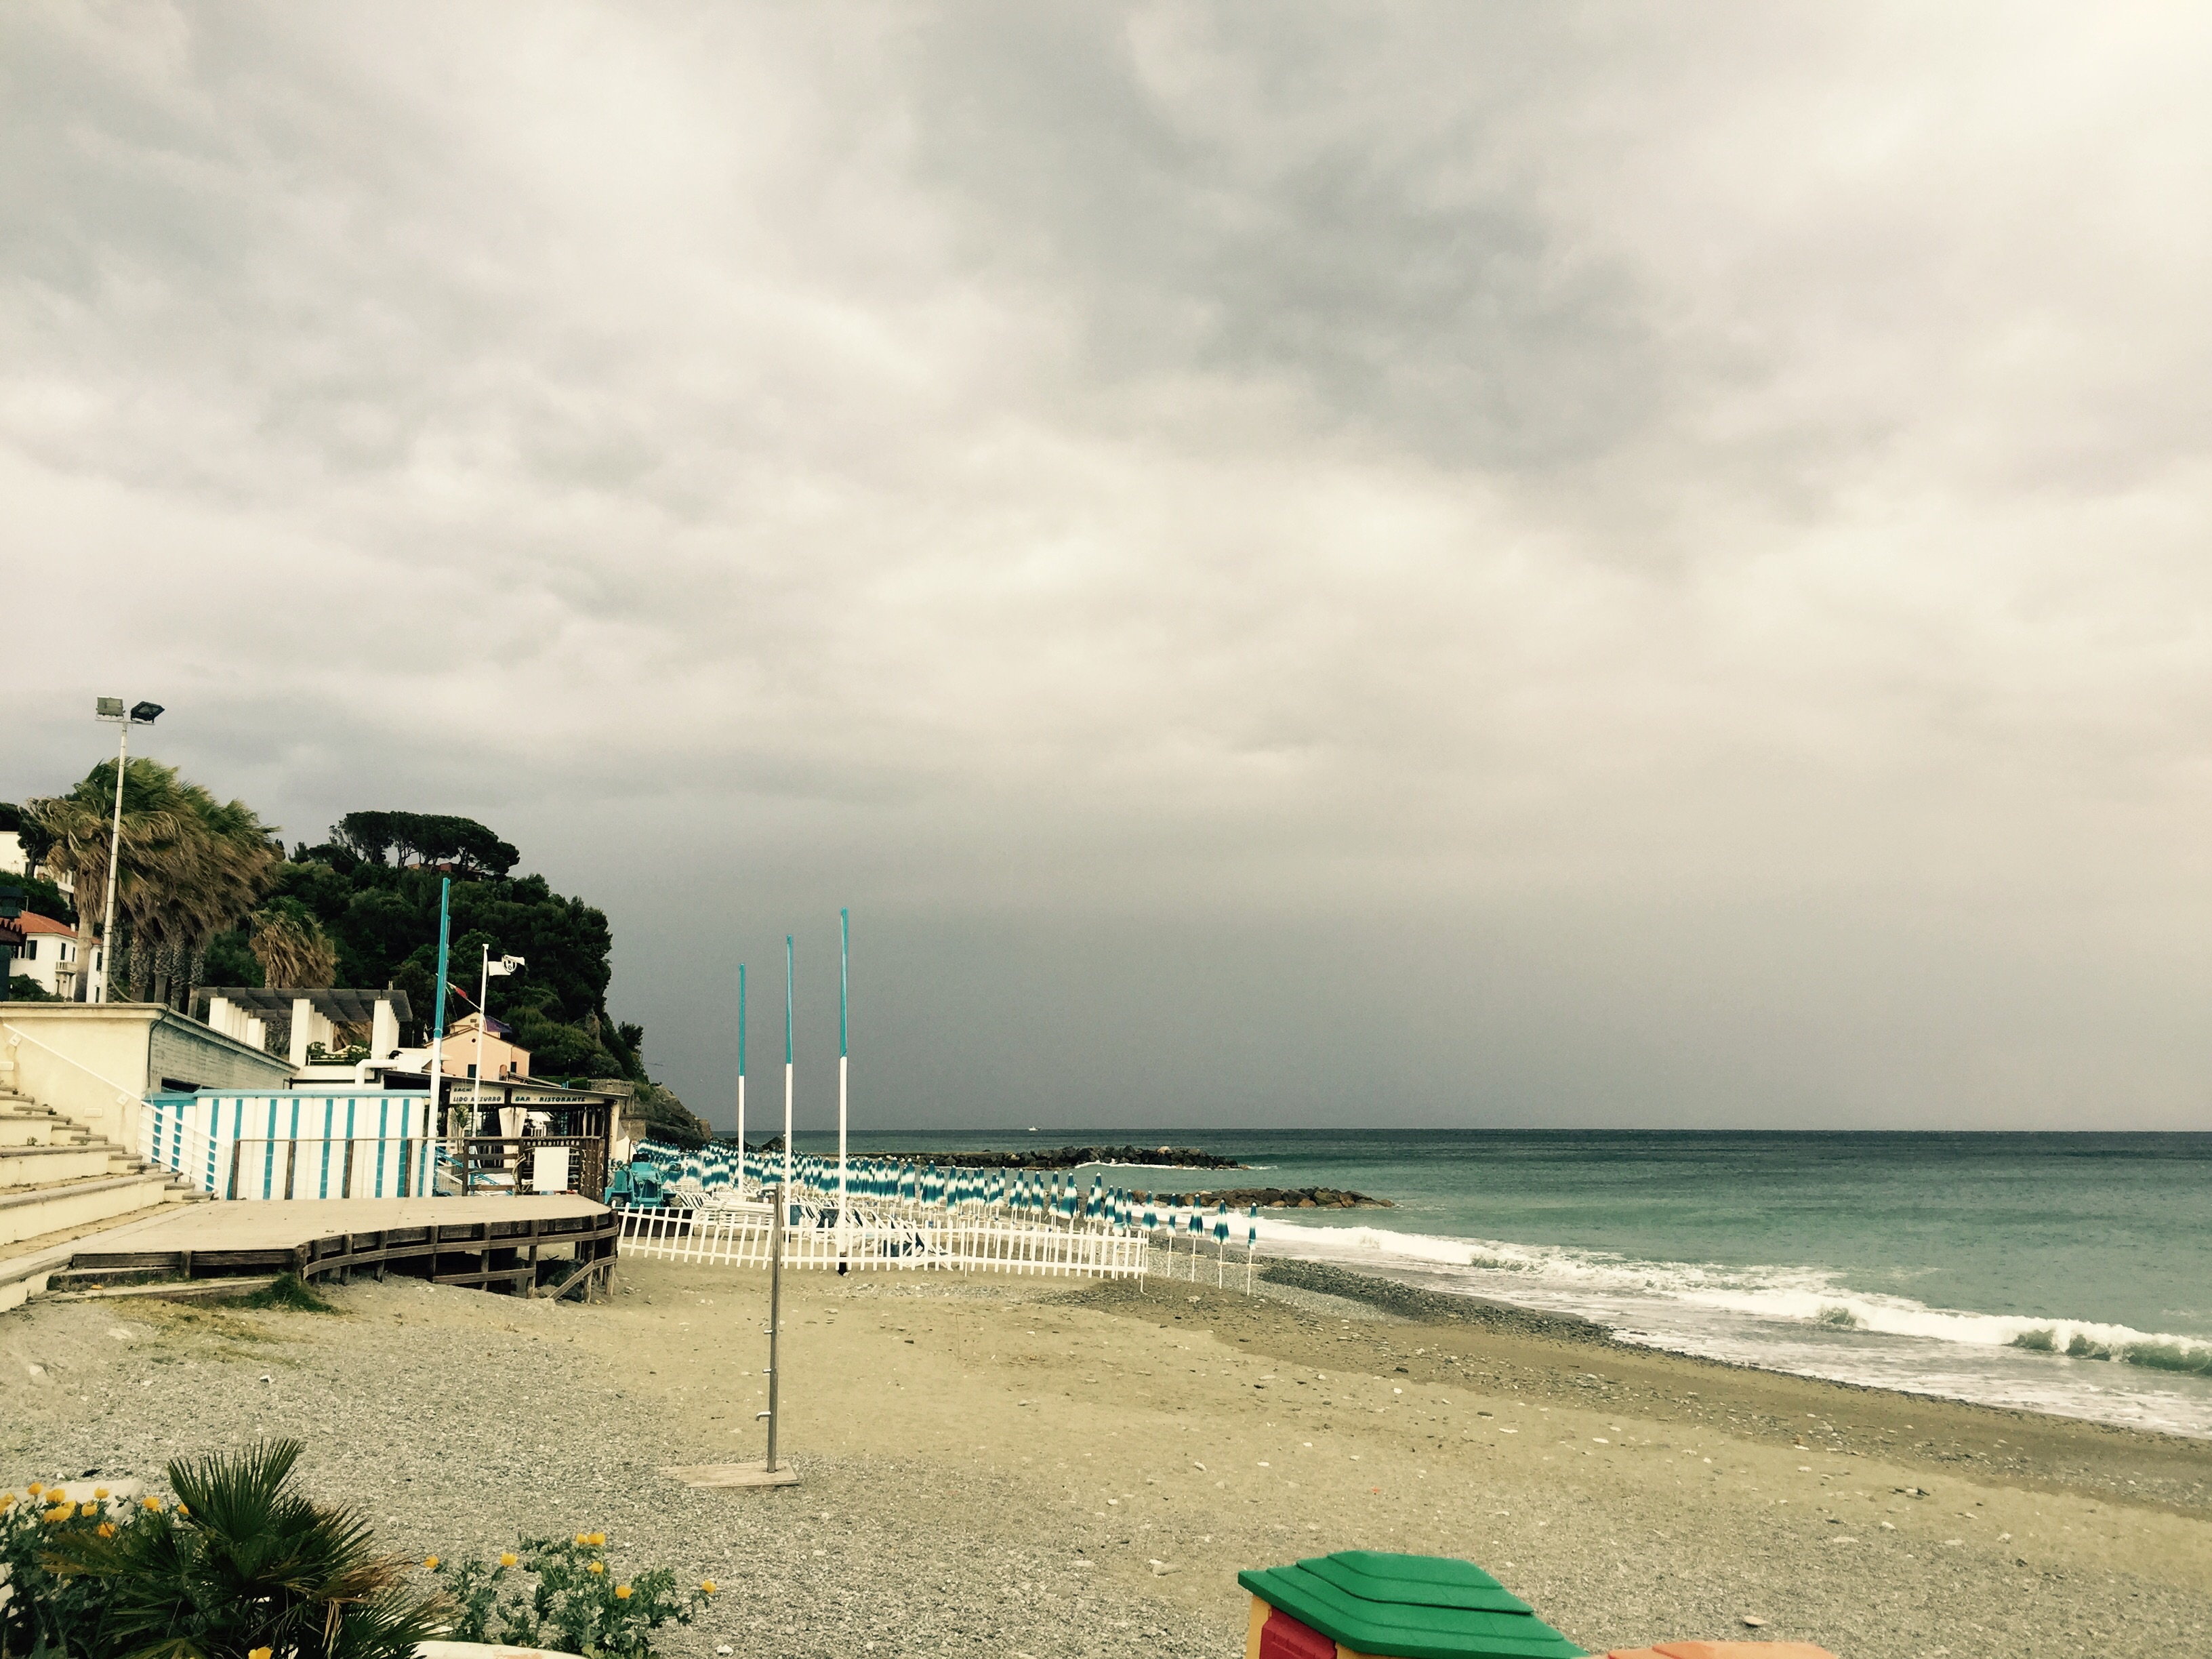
(1297, 564)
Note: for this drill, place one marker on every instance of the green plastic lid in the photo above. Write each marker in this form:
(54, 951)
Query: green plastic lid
(1412, 1606)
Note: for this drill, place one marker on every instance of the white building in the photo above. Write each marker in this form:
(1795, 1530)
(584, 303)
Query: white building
(15, 861)
(48, 954)
(299, 1018)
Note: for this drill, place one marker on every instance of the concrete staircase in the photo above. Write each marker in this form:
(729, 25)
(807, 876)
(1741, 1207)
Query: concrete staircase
(59, 1180)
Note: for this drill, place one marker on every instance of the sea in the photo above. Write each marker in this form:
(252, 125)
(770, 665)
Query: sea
(2068, 1274)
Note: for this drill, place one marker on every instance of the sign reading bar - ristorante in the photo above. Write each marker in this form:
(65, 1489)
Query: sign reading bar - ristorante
(508, 1094)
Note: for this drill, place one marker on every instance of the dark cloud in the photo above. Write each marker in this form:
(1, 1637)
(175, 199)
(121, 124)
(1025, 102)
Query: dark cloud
(1289, 198)
(1492, 565)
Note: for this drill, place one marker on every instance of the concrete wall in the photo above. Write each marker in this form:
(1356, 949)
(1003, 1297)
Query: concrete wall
(94, 1063)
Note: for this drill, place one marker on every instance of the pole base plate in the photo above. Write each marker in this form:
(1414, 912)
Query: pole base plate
(732, 1474)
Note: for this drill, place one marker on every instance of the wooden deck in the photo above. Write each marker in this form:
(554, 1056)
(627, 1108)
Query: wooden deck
(483, 1242)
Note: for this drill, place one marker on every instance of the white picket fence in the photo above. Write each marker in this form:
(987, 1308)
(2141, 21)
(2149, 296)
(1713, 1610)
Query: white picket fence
(741, 1236)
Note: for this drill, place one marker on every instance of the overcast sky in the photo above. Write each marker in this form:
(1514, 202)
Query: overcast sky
(1293, 564)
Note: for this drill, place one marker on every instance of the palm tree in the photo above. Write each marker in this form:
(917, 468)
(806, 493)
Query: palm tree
(192, 866)
(291, 946)
(245, 1563)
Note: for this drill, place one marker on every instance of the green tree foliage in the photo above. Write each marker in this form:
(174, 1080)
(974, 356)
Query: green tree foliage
(29, 830)
(192, 866)
(381, 920)
(290, 943)
(42, 898)
(243, 1562)
(425, 838)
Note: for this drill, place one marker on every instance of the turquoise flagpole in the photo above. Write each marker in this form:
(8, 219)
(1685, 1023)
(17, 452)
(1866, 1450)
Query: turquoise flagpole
(788, 976)
(437, 1044)
(844, 980)
(741, 1081)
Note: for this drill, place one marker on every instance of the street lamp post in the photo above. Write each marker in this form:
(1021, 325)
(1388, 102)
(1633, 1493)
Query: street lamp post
(139, 713)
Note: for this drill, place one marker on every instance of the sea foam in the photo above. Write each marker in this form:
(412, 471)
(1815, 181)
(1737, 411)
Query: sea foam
(1595, 1283)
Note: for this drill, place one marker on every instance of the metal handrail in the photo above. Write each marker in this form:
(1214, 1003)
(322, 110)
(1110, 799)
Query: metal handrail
(124, 1094)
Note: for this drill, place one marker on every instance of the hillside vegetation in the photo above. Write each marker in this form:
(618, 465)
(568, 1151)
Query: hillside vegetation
(209, 898)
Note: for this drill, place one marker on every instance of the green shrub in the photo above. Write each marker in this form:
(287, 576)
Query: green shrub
(289, 1291)
(561, 1594)
(240, 1565)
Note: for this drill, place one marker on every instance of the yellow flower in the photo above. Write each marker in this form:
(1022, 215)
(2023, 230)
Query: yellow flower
(55, 1517)
(506, 1559)
(152, 1503)
(708, 1585)
(36, 1488)
(6, 1500)
(598, 1538)
(581, 1541)
(106, 1530)
(99, 1492)
(622, 1592)
(259, 1653)
(597, 1566)
(181, 1510)
(431, 1565)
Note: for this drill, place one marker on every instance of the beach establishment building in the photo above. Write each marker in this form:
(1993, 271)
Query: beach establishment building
(47, 955)
(275, 1066)
(503, 1057)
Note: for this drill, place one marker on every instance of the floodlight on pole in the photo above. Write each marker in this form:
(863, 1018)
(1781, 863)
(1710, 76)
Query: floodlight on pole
(139, 713)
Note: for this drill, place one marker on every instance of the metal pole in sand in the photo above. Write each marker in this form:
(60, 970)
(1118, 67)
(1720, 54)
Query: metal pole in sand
(766, 1474)
(757, 1474)
(844, 980)
(774, 1319)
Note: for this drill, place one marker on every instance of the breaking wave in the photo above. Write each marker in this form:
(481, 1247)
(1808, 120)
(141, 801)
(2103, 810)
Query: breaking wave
(1607, 1287)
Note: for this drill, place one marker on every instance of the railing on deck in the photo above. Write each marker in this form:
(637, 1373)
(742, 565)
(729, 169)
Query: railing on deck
(512, 1163)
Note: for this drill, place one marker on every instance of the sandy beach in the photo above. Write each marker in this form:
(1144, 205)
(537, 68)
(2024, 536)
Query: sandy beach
(1036, 1468)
